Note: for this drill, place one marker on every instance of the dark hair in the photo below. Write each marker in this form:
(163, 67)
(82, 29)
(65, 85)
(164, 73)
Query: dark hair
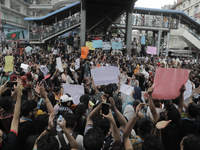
(70, 120)
(6, 103)
(40, 76)
(102, 123)
(80, 110)
(135, 103)
(152, 142)
(93, 139)
(118, 103)
(145, 127)
(193, 110)
(41, 121)
(85, 100)
(47, 142)
(28, 106)
(6, 93)
(43, 107)
(109, 90)
(191, 142)
(51, 97)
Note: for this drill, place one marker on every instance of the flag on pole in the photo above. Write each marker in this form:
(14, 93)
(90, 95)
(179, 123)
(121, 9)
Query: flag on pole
(13, 35)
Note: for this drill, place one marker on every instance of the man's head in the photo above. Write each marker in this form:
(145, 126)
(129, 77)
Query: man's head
(47, 142)
(152, 142)
(70, 120)
(93, 139)
(66, 100)
(41, 121)
(102, 123)
(145, 127)
(29, 109)
(190, 142)
(193, 110)
(7, 103)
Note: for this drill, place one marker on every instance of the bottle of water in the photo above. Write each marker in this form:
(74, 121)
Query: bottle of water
(60, 120)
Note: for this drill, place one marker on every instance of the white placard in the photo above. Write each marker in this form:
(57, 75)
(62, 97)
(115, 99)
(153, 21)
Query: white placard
(44, 70)
(126, 89)
(77, 63)
(105, 75)
(188, 91)
(24, 67)
(59, 64)
(106, 46)
(76, 91)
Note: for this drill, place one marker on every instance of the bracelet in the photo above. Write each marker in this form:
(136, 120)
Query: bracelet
(47, 129)
(47, 101)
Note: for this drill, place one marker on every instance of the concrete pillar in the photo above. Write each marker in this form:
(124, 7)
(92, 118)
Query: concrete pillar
(167, 45)
(83, 23)
(153, 39)
(128, 30)
(7, 3)
(158, 46)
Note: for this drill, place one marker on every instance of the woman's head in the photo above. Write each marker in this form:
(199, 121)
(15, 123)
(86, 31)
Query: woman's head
(133, 77)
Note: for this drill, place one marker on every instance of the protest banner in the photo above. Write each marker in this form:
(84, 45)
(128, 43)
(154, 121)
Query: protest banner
(143, 40)
(84, 52)
(90, 45)
(76, 91)
(105, 75)
(126, 89)
(168, 82)
(59, 64)
(151, 50)
(116, 45)
(8, 63)
(97, 43)
(106, 45)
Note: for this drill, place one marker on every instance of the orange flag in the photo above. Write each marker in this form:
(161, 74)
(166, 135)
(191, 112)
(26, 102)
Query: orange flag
(84, 52)
(98, 65)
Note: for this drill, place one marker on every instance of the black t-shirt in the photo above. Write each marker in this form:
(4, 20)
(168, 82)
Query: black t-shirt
(31, 141)
(9, 143)
(26, 129)
(188, 126)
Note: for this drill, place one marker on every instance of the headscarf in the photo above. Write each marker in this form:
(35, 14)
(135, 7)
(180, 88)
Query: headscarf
(23, 78)
(13, 78)
(29, 76)
(137, 94)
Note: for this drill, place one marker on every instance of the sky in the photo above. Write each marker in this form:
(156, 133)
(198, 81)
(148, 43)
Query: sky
(153, 3)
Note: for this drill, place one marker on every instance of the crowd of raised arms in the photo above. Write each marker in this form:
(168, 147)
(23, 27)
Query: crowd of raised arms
(35, 114)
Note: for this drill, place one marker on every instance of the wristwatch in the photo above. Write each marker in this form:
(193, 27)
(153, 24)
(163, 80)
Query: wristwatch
(47, 129)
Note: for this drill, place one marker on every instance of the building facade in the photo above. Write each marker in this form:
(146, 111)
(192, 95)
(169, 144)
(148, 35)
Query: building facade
(13, 12)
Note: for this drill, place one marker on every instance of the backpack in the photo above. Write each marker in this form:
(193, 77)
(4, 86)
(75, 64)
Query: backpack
(63, 143)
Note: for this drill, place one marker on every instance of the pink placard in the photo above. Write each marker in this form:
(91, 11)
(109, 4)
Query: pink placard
(168, 82)
(151, 50)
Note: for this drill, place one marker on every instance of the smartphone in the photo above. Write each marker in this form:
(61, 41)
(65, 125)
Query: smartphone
(11, 84)
(105, 108)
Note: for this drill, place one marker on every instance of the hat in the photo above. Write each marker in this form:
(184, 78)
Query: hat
(65, 98)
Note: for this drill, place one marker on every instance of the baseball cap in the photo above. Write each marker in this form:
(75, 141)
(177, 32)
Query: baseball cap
(65, 98)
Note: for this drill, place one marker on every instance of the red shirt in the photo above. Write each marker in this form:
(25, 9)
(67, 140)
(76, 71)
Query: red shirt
(97, 38)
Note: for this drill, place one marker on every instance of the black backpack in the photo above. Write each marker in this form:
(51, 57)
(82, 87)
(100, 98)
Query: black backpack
(63, 142)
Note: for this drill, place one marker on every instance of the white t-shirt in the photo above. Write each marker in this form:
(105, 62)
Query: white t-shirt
(55, 51)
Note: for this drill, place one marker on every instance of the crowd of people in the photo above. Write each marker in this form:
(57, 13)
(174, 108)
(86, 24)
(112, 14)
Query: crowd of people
(38, 32)
(152, 20)
(32, 101)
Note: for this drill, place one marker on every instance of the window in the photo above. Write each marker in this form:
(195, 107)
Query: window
(196, 8)
(188, 12)
(183, 5)
(188, 2)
